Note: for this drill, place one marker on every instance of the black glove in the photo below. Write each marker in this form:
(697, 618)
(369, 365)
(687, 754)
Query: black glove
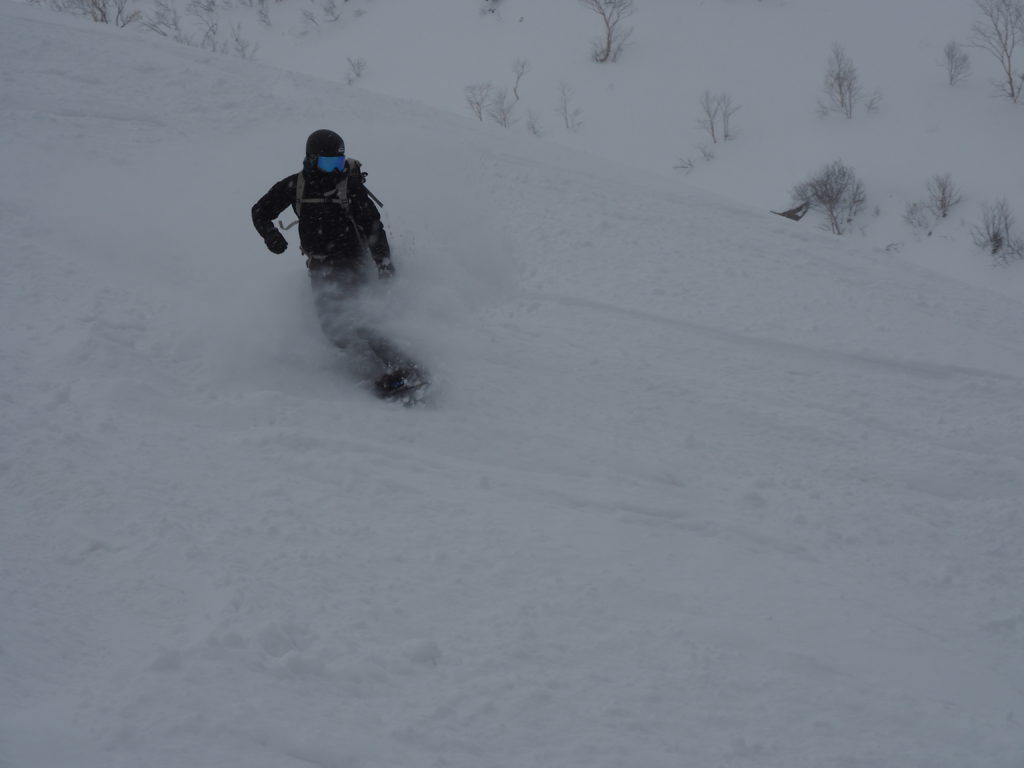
(385, 268)
(275, 242)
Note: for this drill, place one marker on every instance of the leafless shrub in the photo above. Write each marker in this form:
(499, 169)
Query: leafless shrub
(996, 233)
(165, 21)
(836, 191)
(122, 16)
(999, 29)
(331, 11)
(533, 124)
(244, 49)
(612, 13)
(205, 12)
(874, 102)
(356, 68)
(501, 108)
(310, 17)
(717, 111)
(685, 164)
(956, 62)
(918, 217)
(478, 95)
(706, 152)
(520, 68)
(842, 84)
(97, 10)
(943, 195)
(572, 116)
(709, 115)
(263, 12)
(728, 110)
(100, 11)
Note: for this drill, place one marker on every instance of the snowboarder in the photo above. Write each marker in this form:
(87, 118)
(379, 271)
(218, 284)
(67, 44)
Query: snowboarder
(338, 225)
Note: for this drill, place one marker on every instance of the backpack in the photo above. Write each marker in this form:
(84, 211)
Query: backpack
(354, 177)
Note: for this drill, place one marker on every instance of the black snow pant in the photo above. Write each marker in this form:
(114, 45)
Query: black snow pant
(335, 286)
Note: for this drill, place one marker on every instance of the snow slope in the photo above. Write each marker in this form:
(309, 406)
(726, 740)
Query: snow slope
(769, 56)
(698, 487)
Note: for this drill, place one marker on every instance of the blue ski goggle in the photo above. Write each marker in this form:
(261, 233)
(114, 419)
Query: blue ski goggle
(328, 163)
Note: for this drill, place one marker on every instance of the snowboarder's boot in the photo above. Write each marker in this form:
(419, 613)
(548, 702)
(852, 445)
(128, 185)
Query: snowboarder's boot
(401, 384)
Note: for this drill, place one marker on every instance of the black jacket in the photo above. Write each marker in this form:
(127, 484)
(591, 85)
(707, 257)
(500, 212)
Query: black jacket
(329, 233)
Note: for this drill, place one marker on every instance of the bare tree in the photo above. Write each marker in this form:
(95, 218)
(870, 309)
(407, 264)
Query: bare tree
(728, 110)
(717, 109)
(331, 11)
(571, 115)
(956, 61)
(836, 191)
(243, 48)
(533, 124)
(917, 216)
(205, 11)
(685, 164)
(99, 10)
(520, 68)
(874, 101)
(943, 195)
(501, 108)
(477, 96)
(995, 233)
(356, 68)
(708, 120)
(842, 84)
(999, 30)
(122, 16)
(612, 13)
(166, 22)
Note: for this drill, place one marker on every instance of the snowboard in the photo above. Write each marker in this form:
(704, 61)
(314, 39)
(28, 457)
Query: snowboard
(407, 386)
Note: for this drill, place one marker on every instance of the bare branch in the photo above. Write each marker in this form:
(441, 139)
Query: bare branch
(995, 233)
(571, 115)
(710, 107)
(836, 191)
(612, 13)
(520, 68)
(477, 96)
(956, 61)
(842, 83)
(501, 108)
(1000, 30)
(943, 195)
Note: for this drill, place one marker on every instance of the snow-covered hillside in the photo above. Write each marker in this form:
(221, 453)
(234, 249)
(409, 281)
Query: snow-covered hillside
(769, 57)
(697, 486)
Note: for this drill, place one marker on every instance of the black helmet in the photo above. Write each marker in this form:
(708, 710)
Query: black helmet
(324, 143)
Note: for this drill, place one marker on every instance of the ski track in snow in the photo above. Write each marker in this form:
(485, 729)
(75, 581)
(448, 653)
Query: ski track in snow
(694, 488)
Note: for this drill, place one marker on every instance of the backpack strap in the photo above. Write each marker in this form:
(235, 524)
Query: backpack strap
(340, 196)
(354, 175)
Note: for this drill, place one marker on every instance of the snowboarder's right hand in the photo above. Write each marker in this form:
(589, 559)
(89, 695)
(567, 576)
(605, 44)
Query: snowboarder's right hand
(275, 242)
